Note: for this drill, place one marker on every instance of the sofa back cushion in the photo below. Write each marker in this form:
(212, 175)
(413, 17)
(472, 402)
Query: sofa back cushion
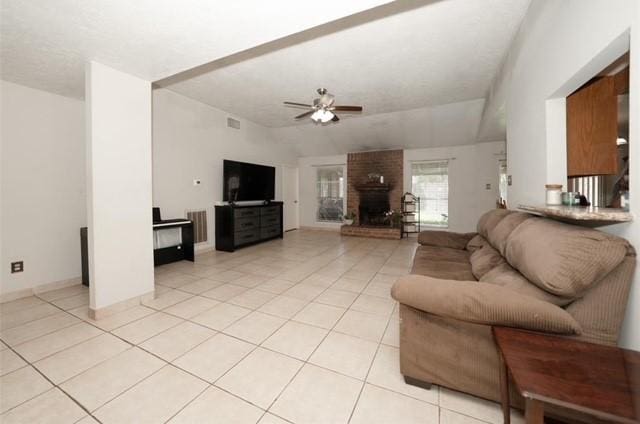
(601, 310)
(476, 243)
(484, 260)
(490, 219)
(442, 262)
(504, 275)
(563, 259)
(444, 239)
(499, 234)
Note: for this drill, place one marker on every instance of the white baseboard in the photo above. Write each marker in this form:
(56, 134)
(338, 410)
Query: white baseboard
(100, 313)
(42, 288)
(15, 295)
(57, 285)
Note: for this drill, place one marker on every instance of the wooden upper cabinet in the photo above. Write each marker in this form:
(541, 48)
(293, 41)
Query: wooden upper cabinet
(592, 129)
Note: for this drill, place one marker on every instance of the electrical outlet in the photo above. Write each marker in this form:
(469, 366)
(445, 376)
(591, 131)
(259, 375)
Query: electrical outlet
(487, 186)
(17, 267)
(509, 180)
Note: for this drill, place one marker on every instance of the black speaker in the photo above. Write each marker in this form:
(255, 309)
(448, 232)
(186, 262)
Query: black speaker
(156, 215)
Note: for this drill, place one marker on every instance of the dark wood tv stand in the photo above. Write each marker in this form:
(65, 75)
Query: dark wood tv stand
(244, 225)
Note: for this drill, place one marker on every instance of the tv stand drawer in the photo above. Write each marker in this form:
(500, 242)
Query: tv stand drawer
(244, 224)
(245, 212)
(269, 220)
(269, 232)
(243, 237)
(270, 210)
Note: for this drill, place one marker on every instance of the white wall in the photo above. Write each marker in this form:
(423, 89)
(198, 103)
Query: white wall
(307, 171)
(118, 108)
(190, 140)
(560, 46)
(474, 166)
(43, 186)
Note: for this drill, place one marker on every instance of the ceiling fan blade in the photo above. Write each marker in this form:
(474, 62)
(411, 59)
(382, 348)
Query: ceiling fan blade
(335, 118)
(303, 115)
(348, 108)
(296, 104)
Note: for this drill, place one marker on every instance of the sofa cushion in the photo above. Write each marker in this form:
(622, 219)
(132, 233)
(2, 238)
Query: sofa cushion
(490, 219)
(507, 277)
(476, 243)
(484, 260)
(445, 239)
(442, 254)
(499, 234)
(482, 304)
(563, 259)
(442, 262)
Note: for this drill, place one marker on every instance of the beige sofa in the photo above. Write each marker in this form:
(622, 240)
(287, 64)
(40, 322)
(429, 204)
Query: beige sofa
(519, 271)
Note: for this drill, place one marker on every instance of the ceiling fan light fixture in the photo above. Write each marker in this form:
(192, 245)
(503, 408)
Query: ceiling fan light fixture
(321, 111)
(322, 115)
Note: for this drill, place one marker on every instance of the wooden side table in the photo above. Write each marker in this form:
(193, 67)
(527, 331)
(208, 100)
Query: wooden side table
(602, 381)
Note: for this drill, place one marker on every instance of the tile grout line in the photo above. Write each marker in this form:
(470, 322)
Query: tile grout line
(289, 320)
(315, 270)
(306, 362)
(55, 386)
(260, 346)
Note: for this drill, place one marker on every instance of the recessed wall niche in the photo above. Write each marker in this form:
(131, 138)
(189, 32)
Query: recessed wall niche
(598, 137)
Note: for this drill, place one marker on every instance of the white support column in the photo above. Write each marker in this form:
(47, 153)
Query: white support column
(119, 188)
(556, 120)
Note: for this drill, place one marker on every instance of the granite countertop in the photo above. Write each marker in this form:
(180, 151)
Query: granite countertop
(580, 213)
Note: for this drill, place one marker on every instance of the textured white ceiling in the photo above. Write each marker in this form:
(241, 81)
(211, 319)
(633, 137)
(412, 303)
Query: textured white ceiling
(440, 53)
(446, 125)
(420, 68)
(45, 43)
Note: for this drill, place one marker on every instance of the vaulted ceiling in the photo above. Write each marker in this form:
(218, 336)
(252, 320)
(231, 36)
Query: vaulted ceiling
(421, 69)
(45, 44)
(439, 53)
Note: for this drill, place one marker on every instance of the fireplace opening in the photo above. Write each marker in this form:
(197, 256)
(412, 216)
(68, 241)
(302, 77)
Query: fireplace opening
(372, 208)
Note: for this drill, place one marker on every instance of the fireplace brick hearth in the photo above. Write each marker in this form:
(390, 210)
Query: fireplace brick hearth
(373, 232)
(388, 163)
(369, 199)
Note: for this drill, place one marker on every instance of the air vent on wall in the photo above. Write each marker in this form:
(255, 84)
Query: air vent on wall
(233, 123)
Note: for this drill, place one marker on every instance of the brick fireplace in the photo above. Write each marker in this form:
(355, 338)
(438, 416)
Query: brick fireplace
(369, 198)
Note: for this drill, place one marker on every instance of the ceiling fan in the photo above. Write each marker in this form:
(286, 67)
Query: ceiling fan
(323, 110)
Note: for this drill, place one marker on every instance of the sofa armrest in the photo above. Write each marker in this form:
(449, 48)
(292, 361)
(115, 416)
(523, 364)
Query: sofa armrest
(478, 303)
(445, 239)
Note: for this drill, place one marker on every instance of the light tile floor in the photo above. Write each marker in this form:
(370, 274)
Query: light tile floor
(299, 330)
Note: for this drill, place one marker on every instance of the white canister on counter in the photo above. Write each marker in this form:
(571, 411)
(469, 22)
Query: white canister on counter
(554, 194)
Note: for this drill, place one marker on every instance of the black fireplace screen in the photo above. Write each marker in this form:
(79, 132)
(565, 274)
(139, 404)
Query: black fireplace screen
(373, 206)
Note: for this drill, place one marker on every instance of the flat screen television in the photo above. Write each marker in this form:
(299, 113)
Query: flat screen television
(247, 181)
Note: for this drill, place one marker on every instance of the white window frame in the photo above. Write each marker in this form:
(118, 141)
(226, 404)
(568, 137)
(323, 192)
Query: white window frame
(425, 201)
(332, 209)
(503, 179)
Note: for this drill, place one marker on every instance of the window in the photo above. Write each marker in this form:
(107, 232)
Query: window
(430, 182)
(330, 192)
(502, 172)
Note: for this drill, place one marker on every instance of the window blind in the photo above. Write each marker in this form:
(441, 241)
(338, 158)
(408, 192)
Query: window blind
(430, 182)
(330, 193)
